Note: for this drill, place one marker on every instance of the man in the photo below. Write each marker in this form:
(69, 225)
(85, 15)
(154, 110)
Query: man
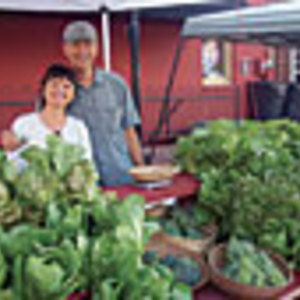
(105, 104)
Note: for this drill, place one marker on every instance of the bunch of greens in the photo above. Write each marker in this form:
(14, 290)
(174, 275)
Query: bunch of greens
(117, 270)
(185, 221)
(185, 269)
(59, 173)
(70, 236)
(10, 211)
(248, 265)
(250, 180)
(36, 264)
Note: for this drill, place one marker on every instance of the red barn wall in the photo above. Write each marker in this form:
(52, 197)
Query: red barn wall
(28, 43)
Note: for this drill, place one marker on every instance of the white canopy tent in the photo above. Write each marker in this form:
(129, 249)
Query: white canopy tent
(276, 24)
(96, 5)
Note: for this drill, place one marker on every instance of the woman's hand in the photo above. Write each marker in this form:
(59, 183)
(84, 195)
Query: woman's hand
(9, 141)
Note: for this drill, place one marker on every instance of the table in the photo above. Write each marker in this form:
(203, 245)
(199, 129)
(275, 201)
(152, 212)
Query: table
(183, 186)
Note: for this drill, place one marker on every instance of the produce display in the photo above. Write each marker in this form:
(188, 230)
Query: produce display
(60, 234)
(185, 269)
(246, 264)
(250, 175)
(185, 221)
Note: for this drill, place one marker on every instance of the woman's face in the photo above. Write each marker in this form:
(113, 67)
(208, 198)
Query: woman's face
(59, 92)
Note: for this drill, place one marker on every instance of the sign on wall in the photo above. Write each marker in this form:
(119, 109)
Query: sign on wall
(216, 62)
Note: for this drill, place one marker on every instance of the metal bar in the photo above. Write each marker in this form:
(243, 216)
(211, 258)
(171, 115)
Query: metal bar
(134, 38)
(164, 113)
(17, 103)
(163, 117)
(106, 40)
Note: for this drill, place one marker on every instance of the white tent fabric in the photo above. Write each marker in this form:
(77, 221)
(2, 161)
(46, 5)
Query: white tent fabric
(123, 5)
(271, 24)
(96, 5)
(50, 5)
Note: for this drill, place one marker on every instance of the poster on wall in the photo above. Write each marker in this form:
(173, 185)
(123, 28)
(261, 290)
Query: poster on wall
(216, 62)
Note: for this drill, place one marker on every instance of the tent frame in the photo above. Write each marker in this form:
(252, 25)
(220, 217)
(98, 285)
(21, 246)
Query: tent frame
(244, 34)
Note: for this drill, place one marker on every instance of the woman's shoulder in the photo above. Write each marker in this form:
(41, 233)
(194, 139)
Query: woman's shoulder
(30, 118)
(76, 122)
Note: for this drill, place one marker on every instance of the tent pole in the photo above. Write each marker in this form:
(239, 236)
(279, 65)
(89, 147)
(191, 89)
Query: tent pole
(164, 112)
(134, 39)
(106, 41)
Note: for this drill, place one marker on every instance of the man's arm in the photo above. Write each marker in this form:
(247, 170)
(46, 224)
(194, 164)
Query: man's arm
(134, 146)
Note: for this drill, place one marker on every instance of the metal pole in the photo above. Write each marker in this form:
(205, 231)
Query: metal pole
(165, 108)
(134, 38)
(164, 113)
(106, 41)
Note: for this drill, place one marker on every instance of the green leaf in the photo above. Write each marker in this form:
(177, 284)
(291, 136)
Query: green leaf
(181, 292)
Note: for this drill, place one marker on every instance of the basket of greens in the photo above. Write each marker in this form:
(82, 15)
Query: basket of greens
(188, 228)
(187, 268)
(245, 272)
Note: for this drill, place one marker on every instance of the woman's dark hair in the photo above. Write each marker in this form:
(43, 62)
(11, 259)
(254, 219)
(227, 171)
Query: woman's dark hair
(55, 71)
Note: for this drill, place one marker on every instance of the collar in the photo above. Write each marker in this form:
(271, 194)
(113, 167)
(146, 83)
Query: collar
(98, 78)
(98, 75)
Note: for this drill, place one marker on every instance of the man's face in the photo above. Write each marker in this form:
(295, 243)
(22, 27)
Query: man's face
(81, 54)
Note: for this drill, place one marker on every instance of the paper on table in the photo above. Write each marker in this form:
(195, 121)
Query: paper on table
(165, 202)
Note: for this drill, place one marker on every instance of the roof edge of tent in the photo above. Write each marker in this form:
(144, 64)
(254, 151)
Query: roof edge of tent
(97, 7)
(254, 23)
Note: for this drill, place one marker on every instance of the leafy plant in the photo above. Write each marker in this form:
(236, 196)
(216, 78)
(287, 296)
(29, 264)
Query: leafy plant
(250, 180)
(66, 235)
(185, 221)
(246, 264)
(186, 270)
(117, 248)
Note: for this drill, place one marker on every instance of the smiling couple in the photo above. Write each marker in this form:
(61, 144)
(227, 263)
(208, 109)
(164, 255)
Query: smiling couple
(85, 106)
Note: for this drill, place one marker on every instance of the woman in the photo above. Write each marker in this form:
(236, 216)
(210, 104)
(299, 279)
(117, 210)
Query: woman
(58, 88)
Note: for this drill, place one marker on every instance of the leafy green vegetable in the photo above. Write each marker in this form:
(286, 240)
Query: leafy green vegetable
(250, 180)
(185, 270)
(59, 233)
(185, 221)
(117, 249)
(3, 269)
(248, 265)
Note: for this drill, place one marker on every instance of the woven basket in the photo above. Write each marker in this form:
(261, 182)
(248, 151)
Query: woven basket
(157, 211)
(239, 290)
(153, 173)
(200, 246)
(163, 250)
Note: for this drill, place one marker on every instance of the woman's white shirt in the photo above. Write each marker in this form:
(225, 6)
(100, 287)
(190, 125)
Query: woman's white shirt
(32, 129)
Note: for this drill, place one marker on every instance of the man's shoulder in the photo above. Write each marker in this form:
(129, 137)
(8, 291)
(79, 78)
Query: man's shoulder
(111, 76)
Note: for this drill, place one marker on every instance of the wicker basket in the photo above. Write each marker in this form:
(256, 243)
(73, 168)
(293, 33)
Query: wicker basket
(157, 211)
(200, 246)
(164, 249)
(153, 173)
(240, 290)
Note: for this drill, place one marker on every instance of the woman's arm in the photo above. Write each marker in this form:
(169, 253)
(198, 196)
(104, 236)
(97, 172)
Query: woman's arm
(10, 141)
